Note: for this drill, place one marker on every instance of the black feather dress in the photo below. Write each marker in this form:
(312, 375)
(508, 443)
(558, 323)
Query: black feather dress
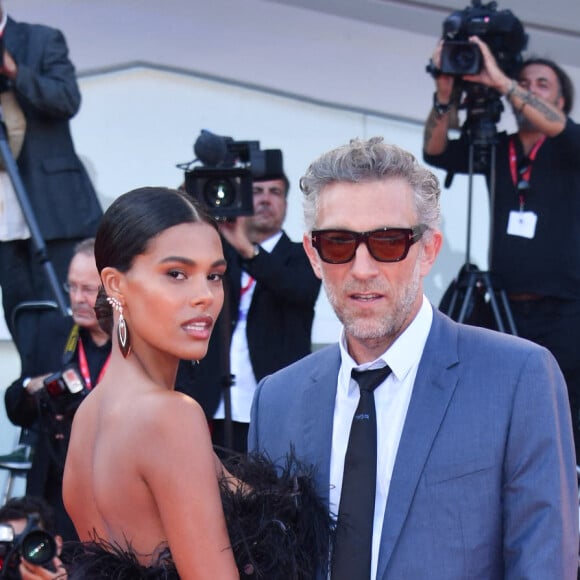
(279, 529)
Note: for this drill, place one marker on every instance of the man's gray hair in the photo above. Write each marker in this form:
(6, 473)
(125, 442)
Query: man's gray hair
(86, 246)
(373, 160)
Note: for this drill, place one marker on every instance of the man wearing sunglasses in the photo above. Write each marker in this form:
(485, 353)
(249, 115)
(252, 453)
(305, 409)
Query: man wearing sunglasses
(472, 462)
(535, 248)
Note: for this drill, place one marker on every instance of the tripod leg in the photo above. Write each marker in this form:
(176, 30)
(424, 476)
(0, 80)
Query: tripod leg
(466, 300)
(496, 311)
(36, 236)
(495, 307)
(452, 303)
(508, 312)
(465, 280)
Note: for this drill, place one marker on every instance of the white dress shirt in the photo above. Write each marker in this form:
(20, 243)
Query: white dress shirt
(242, 391)
(391, 400)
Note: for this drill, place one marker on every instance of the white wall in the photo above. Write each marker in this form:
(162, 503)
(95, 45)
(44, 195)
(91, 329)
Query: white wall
(292, 78)
(159, 114)
(363, 65)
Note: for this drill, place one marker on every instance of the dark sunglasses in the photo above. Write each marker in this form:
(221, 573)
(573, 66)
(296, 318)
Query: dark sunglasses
(384, 244)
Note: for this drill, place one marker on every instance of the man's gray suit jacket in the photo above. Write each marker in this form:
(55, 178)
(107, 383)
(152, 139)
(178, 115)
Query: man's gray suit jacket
(484, 483)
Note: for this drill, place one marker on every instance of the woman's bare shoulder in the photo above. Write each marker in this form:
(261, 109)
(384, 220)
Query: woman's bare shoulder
(161, 405)
(144, 401)
(168, 420)
(144, 417)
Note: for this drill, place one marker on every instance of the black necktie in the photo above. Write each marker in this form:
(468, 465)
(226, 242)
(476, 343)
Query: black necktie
(353, 546)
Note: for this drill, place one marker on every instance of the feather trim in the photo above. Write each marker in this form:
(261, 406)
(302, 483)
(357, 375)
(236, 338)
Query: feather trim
(278, 526)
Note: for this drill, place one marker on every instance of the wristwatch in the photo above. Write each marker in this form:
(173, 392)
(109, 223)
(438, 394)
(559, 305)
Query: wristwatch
(26, 382)
(439, 108)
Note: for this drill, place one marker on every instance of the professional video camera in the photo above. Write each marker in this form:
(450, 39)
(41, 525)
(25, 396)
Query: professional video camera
(505, 36)
(500, 30)
(224, 183)
(33, 544)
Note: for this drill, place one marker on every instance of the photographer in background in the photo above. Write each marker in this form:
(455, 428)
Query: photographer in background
(39, 96)
(271, 293)
(78, 345)
(16, 512)
(535, 245)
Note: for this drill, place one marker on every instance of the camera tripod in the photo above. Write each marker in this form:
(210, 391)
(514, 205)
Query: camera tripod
(35, 235)
(470, 279)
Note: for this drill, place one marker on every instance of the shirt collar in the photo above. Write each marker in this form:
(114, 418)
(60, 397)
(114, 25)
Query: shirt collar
(271, 242)
(404, 354)
(3, 21)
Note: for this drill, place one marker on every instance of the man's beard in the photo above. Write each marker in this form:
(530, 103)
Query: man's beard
(389, 324)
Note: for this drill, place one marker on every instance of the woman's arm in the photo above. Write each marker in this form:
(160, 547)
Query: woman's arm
(181, 475)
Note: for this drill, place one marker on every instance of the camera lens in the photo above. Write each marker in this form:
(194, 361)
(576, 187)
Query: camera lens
(219, 193)
(224, 192)
(460, 58)
(38, 547)
(463, 58)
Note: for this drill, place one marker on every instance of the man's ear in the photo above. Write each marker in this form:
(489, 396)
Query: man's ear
(312, 255)
(431, 247)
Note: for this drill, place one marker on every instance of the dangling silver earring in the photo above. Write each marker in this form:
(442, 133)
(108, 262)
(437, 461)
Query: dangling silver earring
(123, 337)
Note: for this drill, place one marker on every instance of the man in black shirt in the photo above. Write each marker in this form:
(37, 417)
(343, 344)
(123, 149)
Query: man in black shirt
(535, 245)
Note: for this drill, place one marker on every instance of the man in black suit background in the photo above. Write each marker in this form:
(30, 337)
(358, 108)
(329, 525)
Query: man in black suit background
(267, 319)
(36, 72)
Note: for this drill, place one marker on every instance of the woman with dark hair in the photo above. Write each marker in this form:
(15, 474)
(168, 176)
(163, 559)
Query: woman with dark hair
(142, 485)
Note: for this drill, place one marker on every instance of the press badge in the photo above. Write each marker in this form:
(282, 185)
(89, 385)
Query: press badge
(522, 224)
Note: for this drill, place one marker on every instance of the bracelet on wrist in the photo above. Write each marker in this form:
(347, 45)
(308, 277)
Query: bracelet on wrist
(511, 90)
(440, 108)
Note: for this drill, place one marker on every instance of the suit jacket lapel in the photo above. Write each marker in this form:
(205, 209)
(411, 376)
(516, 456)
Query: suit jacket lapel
(434, 386)
(318, 401)
(282, 248)
(15, 40)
